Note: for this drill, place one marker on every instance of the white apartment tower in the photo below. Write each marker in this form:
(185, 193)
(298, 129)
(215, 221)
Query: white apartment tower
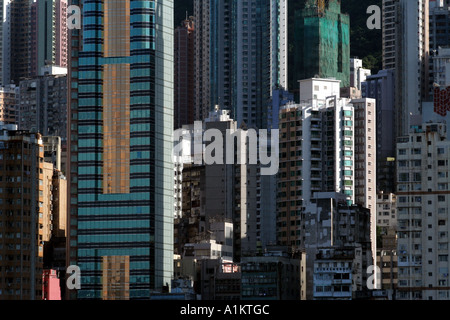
(357, 73)
(316, 153)
(329, 118)
(327, 144)
(423, 204)
(366, 159)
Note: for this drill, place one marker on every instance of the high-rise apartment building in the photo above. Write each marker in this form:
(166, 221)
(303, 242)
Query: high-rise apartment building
(61, 42)
(365, 159)
(307, 164)
(20, 35)
(327, 144)
(121, 207)
(381, 87)
(411, 64)
(22, 214)
(74, 48)
(321, 43)
(422, 204)
(42, 105)
(439, 42)
(184, 54)
(5, 43)
(246, 56)
(389, 16)
(48, 34)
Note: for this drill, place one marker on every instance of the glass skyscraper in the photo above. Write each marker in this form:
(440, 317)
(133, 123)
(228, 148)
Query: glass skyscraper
(121, 173)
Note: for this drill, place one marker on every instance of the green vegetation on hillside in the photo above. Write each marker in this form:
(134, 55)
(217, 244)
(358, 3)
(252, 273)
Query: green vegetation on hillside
(364, 43)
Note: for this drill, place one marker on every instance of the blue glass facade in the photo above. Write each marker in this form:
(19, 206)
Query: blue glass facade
(123, 144)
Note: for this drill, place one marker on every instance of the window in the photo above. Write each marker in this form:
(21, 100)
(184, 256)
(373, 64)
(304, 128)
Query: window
(348, 113)
(348, 133)
(416, 163)
(403, 163)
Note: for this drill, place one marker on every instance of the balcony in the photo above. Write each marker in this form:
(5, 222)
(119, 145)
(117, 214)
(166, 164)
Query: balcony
(315, 176)
(316, 156)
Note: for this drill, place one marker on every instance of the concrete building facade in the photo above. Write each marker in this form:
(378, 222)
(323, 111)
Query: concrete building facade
(389, 17)
(330, 222)
(235, 192)
(241, 58)
(273, 276)
(358, 74)
(422, 204)
(366, 159)
(48, 35)
(307, 165)
(381, 87)
(412, 58)
(42, 105)
(22, 214)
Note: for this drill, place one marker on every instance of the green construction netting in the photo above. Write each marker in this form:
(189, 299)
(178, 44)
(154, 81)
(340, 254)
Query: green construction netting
(322, 43)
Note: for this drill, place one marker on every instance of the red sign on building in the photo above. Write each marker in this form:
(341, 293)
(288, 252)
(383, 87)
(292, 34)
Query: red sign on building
(441, 100)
